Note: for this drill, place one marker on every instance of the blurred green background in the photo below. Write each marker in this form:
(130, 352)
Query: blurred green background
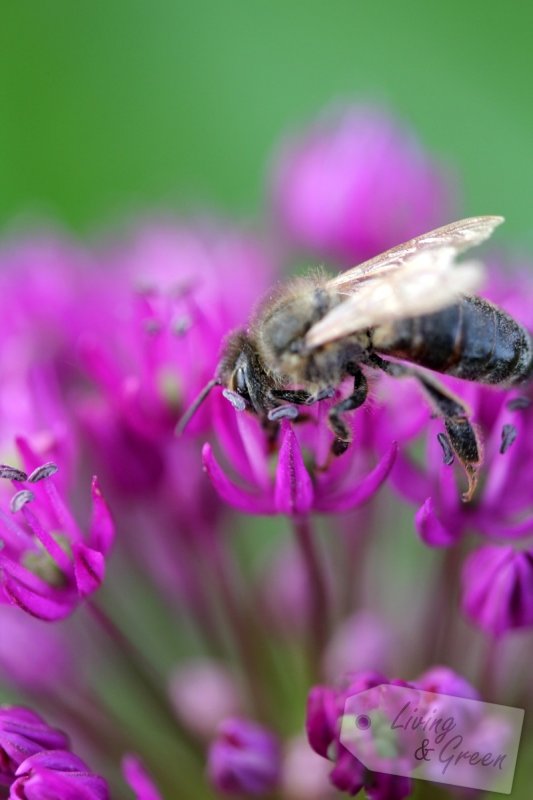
(114, 106)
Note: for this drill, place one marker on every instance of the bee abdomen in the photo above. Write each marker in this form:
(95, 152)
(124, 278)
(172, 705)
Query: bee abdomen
(473, 340)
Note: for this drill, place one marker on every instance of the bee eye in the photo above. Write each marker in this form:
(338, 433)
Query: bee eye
(240, 382)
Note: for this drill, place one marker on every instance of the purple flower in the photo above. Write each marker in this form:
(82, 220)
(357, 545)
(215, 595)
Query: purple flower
(203, 693)
(301, 482)
(356, 183)
(325, 707)
(497, 588)
(47, 563)
(177, 290)
(139, 779)
(55, 660)
(23, 733)
(244, 759)
(360, 643)
(443, 680)
(305, 774)
(54, 774)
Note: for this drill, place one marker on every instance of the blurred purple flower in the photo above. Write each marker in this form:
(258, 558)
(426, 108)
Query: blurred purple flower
(244, 759)
(497, 587)
(57, 774)
(138, 779)
(203, 693)
(47, 564)
(177, 290)
(55, 659)
(443, 680)
(355, 183)
(24, 733)
(301, 483)
(305, 774)
(362, 642)
(325, 708)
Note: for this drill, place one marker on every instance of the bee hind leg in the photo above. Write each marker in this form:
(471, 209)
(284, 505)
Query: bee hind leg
(342, 432)
(461, 433)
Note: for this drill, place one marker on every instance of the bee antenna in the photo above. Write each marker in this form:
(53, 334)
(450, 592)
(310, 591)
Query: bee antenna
(195, 405)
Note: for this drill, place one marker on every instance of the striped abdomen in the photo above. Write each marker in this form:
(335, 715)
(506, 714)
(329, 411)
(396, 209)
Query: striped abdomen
(473, 340)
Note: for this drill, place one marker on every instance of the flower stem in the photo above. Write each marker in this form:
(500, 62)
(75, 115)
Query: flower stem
(319, 617)
(144, 672)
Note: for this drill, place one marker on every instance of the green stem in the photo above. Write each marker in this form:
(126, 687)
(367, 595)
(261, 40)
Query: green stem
(320, 607)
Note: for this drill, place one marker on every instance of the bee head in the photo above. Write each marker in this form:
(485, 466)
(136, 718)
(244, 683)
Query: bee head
(241, 371)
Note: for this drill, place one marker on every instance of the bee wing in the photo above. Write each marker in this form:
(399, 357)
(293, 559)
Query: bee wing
(417, 277)
(458, 235)
(428, 281)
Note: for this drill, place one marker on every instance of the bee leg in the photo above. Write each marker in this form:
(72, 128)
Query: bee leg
(343, 434)
(297, 396)
(462, 435)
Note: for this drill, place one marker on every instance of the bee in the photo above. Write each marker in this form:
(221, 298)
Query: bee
(414, 304)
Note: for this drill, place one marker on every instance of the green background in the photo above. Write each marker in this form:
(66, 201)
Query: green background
(115, 106)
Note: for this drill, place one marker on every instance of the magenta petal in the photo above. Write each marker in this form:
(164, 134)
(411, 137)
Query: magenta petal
(89, 569)
(430, 528)
(102, 532)
(138, 779)
(293, 492)
(362, 491)
(35, 604)
(230, 492)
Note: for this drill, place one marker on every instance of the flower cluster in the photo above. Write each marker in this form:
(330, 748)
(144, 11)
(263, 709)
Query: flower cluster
(174, 612)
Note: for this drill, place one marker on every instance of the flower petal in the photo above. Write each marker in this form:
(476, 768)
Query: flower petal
(293, 491)
(102, 531)
(430, 528)
(362, 491)
(89, 569)
(35, 604)
(230, 492)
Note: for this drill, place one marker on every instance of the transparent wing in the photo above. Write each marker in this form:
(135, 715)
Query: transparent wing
(458, 235)
(428, 281)
(417, 277)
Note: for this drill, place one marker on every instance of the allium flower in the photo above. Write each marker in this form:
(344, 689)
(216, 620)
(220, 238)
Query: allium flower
(305, 774)
(178, 290)
(325, 707)
(203, 693)
(443, 680)
(57, 773)
(245, 759)
(356, 183)
(498, 588)
(47, 564)
(23, 733)
(54, 662)
(301, 482)
(360, 643)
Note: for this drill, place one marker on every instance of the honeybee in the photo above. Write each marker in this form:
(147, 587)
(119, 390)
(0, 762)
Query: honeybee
(414, 303)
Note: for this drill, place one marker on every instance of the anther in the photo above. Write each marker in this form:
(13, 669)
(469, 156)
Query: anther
(20, 499)
(44, 471)
(238, 402)
(282, 412)
(12, 473)
(447, 450)
(509, 434)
